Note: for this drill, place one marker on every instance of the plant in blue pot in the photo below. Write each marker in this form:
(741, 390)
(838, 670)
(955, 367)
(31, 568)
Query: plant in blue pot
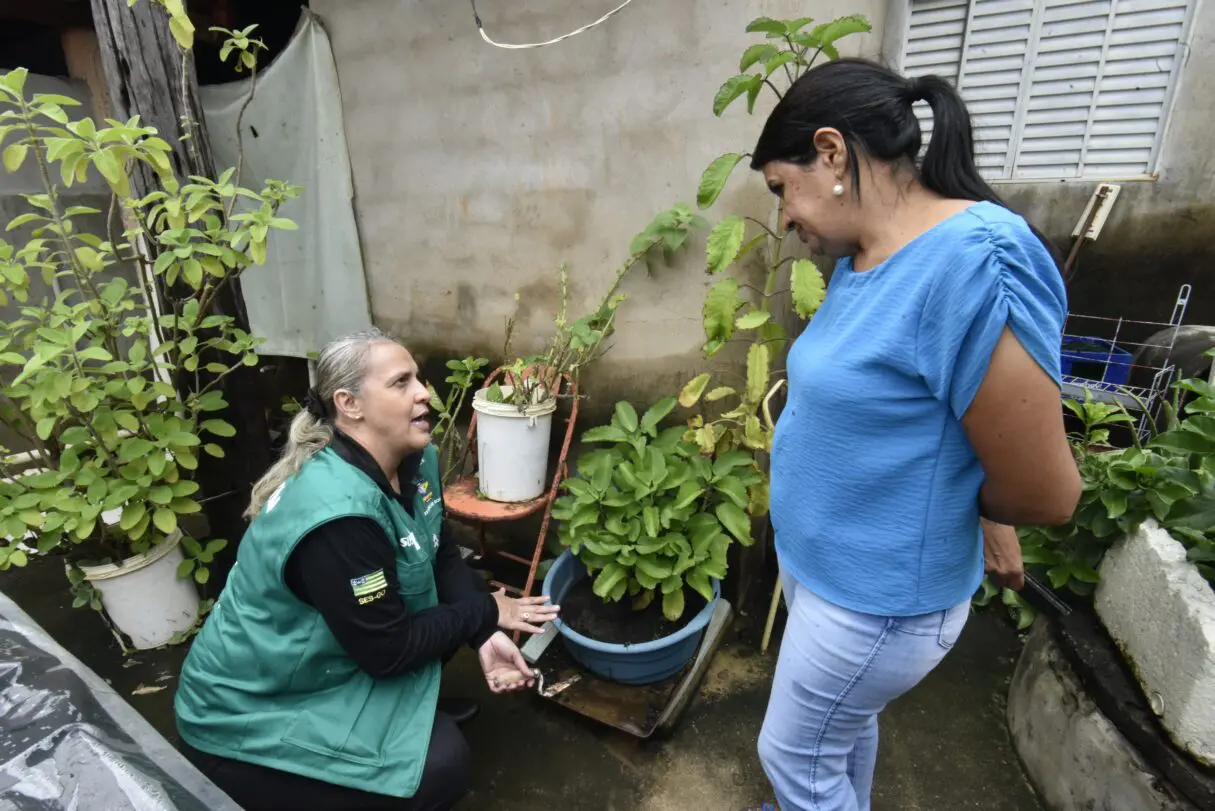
(647, 524)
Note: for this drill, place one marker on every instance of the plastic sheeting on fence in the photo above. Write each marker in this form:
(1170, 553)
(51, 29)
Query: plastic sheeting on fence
(68, 741)
(312, 288)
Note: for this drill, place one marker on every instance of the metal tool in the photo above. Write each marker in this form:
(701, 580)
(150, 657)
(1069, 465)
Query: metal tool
(541, 690)
(1059, 607)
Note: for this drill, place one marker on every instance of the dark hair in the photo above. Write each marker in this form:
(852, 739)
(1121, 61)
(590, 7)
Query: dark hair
(870, 105)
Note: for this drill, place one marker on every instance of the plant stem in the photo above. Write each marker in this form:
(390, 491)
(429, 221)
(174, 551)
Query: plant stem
(769, 231)
(240, 139)
(774, 90)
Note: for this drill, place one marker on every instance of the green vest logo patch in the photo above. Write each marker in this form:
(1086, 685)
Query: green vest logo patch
(370, 587)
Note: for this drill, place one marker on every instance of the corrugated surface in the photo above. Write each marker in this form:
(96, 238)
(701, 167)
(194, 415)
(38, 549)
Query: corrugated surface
(1056, 88)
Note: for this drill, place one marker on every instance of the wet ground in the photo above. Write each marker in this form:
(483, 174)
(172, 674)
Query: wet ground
(945, 746)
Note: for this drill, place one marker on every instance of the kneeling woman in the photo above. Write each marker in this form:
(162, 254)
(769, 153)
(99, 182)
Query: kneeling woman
(314, 683)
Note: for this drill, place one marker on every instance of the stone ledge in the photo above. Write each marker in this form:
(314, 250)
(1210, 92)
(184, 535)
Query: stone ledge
(1161, 613)
(1076, 759)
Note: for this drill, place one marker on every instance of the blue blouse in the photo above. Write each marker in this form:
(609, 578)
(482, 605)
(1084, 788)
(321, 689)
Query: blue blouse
(875, 486)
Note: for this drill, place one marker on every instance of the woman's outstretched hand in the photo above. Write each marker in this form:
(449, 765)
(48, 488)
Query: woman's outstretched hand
(525, 614)
(502, 664)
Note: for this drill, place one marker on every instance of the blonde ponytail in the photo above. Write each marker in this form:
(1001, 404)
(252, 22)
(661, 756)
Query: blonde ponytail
(305, 438)
(342, 365)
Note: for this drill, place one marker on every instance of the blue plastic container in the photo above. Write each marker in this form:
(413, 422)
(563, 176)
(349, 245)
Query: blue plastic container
(645, 663)
(1108, 364)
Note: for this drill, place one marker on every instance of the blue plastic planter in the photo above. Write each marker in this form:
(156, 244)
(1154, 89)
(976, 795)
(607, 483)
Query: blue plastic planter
(645, 663)
(1110, 364)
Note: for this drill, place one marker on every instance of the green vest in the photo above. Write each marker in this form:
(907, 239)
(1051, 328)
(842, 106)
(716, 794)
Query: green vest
(266, 682)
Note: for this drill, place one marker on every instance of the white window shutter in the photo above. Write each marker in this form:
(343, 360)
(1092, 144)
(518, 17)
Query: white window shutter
(1143, 58)
(1057, 89)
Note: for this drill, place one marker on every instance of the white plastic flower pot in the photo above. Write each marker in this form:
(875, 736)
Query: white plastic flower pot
(512, 447)
(144, 597)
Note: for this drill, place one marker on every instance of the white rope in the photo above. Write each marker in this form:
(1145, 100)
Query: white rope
(553, 41)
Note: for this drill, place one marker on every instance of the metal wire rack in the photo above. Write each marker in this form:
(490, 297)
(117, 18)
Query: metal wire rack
(1123, 361)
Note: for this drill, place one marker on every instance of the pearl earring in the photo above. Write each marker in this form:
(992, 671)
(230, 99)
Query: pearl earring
(838, 189)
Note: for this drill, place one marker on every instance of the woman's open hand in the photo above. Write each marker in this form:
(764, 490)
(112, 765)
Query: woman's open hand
(501, 662)
(525, 614)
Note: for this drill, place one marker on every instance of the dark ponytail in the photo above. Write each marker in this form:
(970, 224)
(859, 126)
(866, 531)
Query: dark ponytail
(871, 107)
(948, 167)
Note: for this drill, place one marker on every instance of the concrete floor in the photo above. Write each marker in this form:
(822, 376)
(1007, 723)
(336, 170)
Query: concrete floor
(945, 746)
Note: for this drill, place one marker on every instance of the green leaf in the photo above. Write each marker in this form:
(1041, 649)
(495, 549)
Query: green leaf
(730, 461)
(627, 416)
(766, 25)
(649, 518)
(202, 575)
(218, 428)
(736, 522)
(165, 520)
(807, 287)
(689, 491)
(185, 568)
(182, 440)
(183, 31)
(720, 304)
(773, 64)
(113, 172)
(14, 156)
(732, 88)
(134, 448)
(656, 414)
(692, 391)
(753, 319)
(700, 584)
(1183, 441)
(734, 490)
(604, 433)
(45, 427)
(825, 35)
(725, 241)
(656, 567)
(672, 604)
(1115, 502)
(756, 53)
(607, 580)
(132, 514)
(757, 372)
(714, 178)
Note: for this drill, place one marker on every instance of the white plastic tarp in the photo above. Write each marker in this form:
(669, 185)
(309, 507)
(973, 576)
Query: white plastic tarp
(312, 287)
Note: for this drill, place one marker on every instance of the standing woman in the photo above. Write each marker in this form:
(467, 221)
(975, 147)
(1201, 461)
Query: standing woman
(923, 400)
(314, 684)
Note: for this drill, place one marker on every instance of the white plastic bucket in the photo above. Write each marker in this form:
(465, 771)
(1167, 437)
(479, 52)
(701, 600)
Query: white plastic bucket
(144, 597)
(512, 448)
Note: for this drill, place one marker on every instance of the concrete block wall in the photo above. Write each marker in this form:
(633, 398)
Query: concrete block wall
(478, 170)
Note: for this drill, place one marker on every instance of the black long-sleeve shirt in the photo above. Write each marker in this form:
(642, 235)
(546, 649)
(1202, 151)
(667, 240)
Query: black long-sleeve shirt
(380, 634)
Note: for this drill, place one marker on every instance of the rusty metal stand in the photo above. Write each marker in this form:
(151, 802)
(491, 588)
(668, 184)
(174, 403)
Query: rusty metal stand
(463, 501)
(644, 711)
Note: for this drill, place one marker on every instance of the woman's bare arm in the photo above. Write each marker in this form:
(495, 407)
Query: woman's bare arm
(1015, 425)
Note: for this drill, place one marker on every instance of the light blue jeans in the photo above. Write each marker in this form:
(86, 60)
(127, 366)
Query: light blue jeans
(837, 670)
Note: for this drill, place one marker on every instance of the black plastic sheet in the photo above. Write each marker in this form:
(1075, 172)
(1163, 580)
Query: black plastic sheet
(68, 741)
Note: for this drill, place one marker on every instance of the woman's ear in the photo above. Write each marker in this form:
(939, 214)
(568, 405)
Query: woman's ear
(831, 149)
(347, 404)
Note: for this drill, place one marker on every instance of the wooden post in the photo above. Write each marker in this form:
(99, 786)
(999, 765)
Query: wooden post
(148, 75)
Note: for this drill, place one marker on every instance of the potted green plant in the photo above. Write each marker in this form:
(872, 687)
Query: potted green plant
(731, 416)
(514, 417)
(91, 369)
(652, 519)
